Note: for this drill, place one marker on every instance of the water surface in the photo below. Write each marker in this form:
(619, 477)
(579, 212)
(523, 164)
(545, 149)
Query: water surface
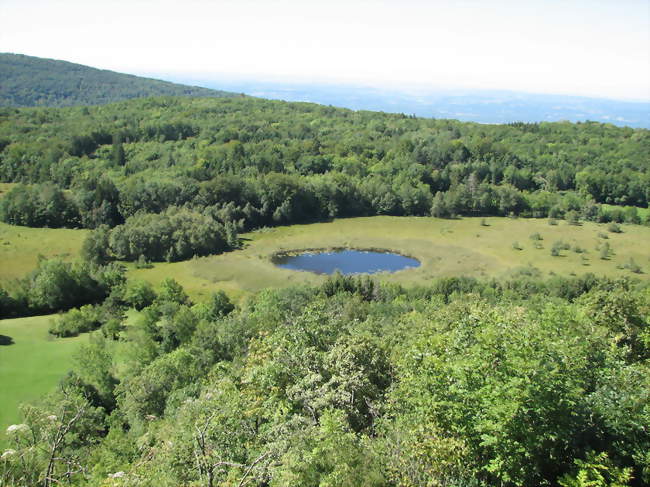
(346, 261)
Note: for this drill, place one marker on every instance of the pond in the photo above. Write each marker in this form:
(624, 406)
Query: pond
(346, 261)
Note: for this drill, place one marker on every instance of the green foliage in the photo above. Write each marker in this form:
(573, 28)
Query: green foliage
(176, 234)
(250, 163)
(30, 81)
(558, 247)
(56, 285)
(597, 471)
(42, 205)
(462, 382)
(217, 306)
(75, 321)
(172, 292)
(614, 228)
(572, 217)
(51, 445)
(139, 294)
(633, 266)
(605, 251)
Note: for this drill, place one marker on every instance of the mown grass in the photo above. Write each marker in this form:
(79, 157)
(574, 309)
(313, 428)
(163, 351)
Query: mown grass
(31, 363)
(444, 248)
(21, 246)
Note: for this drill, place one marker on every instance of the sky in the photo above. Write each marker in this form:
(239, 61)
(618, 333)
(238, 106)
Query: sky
(597, 48)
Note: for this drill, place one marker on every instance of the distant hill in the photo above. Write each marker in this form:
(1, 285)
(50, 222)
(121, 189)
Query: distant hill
(27, 81)
(466, 105)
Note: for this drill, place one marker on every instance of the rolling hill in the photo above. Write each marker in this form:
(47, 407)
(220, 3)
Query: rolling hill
(27, 81)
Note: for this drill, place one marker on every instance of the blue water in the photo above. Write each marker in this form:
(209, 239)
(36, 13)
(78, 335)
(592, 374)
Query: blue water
(347, 262)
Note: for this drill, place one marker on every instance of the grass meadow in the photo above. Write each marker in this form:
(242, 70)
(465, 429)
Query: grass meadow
(489, 247)
(21, 246)
(31, 363)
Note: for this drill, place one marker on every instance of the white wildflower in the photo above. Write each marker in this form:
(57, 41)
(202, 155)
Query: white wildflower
(117, 475)
(8, 453)
(51, 417)
(17, 428)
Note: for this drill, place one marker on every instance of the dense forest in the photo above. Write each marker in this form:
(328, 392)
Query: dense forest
(353, 383)
(248, 163)
(27, 81)
(459, 383)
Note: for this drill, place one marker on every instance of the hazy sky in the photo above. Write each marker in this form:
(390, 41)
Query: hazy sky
(583, 47)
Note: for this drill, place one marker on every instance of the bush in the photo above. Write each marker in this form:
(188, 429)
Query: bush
(605, 251)
(75, 321)
(139, 294)
(558, 246)
(572, 217)
(536, 236)
(176, 234)
(632, 266)
(614, 228)
(516, 246)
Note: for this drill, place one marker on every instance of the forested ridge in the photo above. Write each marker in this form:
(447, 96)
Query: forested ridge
(248, 163)
(27, 81)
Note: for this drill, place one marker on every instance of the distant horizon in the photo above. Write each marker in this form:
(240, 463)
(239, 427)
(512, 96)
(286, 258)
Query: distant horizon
(589, 48)
(405, 88)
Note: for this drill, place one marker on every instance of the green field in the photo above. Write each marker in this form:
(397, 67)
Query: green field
(444, 247)
(21, 246)
(31, 365)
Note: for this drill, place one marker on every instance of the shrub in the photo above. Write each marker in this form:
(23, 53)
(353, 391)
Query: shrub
(572, 217)
(605, 251)
(75, 321)
(536, 236)
(516, 246)
(557, 248)
(614, 228)
(139, 294)
(632, 266)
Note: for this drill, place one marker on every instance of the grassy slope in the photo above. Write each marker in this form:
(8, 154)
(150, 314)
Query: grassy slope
(444, 247)
(32, 365)
(21, 246)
